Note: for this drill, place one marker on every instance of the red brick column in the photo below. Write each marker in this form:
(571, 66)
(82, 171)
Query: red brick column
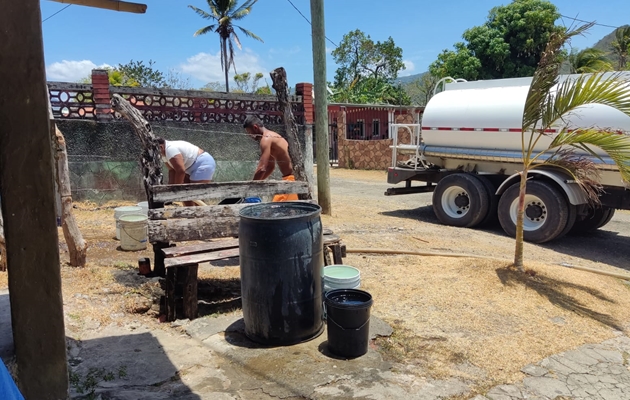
(306, 91)
(101, 96)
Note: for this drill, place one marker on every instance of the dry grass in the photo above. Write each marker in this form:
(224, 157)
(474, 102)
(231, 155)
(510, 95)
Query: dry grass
(470, 318)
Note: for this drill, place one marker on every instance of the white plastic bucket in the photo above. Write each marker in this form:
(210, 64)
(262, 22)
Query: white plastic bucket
(341, 277)
(145, 207)
(133, 232)
(125, 210)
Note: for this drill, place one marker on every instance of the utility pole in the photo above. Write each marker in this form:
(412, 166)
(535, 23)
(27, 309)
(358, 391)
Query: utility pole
(321, 105)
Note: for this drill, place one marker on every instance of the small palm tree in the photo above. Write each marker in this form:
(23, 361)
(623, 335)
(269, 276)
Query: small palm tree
(545, 108)
(588, 61)
(224, 13)
(621, 46)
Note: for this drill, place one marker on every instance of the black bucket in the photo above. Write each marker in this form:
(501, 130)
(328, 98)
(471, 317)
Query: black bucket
(348, 320)
(281, 257)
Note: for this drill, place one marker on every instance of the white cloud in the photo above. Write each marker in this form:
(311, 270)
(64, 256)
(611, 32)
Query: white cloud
(71, 71)
(329, 50)
(409, 68)
(207, 67)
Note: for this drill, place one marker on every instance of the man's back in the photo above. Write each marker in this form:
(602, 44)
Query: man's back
(279, 149)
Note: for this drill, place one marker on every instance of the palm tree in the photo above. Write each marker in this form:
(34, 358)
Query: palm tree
(545, 108)
(224, 13)
(621, 45)
(588, 61)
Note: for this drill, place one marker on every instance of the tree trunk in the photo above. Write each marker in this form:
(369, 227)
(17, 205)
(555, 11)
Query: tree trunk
(151, 160)
(226, 67)
(77, 247)
(518, 252)
(279, 78)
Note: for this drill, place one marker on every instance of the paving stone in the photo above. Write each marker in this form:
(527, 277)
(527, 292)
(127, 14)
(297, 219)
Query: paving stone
(505, 392)
(548, 387)
(534, 370)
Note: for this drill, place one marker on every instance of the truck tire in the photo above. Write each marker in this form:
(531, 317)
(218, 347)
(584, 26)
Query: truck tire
(493, 205)
(595, 219)
(461, 200)
(547, 211)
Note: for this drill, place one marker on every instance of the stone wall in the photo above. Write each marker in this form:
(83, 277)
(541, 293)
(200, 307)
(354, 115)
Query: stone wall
(369, 154)
(104, 156)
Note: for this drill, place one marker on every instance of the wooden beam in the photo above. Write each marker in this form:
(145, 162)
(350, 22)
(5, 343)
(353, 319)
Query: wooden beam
(227, 210)
(200, 258)
(195, 191)
(28, 206)
(181, 230)
(115, 5)
(200, 248)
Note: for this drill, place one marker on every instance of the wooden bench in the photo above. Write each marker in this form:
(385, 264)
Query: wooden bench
(179, 264)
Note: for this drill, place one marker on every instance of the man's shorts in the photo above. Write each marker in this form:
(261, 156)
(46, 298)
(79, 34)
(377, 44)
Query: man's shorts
(203, 168)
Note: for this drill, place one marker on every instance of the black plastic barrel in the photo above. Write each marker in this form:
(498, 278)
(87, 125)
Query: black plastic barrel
(348, 321)
(281, 257)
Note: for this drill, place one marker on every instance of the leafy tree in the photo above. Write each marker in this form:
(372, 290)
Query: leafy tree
(621, 46)
(223, 13)
(213, 87)
(175, 80)
(367, 71)
(421, 89)
(545, 108)
(358, 56)
(508, 45)
(372, 91)
(588, 61)
(144, 75)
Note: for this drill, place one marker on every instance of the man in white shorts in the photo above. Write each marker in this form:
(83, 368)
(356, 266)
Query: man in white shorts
(186, 163)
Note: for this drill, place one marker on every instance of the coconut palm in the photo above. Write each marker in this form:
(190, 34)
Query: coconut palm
(588, 61)
(223, 13)
(621, 45)
(545, 108)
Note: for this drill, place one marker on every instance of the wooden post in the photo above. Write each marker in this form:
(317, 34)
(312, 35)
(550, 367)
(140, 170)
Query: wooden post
(191, 304)
(321, 105)
(306, 91)
(279, 79)
(28, 206)
(3, 248)
(77, 247)
(151, 163)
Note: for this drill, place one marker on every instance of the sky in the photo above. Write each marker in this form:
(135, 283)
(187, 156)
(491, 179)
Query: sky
(79, 38)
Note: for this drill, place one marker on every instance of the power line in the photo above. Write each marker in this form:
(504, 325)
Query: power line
(309, 22)
(49, 17)
(595, 23)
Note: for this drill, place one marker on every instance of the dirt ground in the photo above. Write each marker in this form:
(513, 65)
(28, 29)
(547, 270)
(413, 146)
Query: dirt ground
(465, 317)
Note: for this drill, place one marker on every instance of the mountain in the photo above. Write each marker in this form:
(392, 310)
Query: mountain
(604, 45)
(409, 78)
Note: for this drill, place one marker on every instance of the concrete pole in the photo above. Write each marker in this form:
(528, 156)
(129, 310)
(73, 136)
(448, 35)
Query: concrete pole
(28, 206)
(321, 105)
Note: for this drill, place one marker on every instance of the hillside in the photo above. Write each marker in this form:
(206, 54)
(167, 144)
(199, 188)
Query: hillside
(604, 45)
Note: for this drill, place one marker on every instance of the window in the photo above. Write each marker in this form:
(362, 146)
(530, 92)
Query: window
(376, 128)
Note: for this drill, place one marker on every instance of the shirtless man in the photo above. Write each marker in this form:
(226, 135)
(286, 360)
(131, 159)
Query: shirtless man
(274, 149)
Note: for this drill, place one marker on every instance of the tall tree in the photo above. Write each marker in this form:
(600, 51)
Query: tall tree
(358, 56)
(588, 61)
(547, 102)
(143, 75)
(508, 45)
(621, 46)
(367, 71)
(223, 13)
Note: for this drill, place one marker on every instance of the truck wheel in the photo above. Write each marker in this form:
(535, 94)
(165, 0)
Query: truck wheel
(594, 219)
(493, 204)
(460, 200)
(547, 211)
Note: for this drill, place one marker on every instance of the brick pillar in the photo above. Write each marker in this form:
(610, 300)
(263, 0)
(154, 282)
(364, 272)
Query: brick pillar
(306, 91)
(101, 96)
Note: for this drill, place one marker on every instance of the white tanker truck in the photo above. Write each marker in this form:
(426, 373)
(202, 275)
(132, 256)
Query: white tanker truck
(468, 152)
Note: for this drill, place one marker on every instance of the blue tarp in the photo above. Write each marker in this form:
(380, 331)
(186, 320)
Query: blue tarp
(8, 390)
